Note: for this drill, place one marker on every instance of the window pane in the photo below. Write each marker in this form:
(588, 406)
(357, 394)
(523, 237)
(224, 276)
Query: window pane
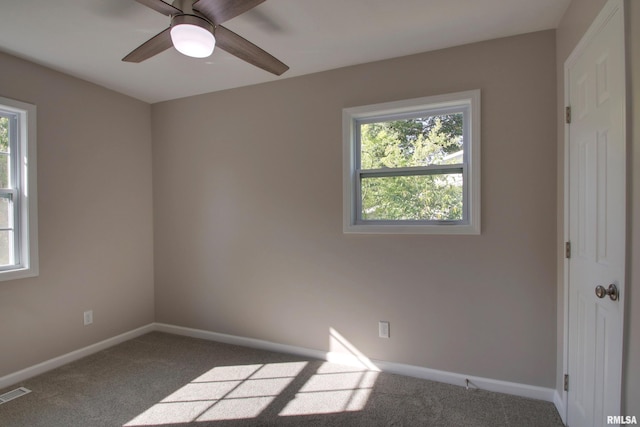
(420, 197)
(4, 171)
(4, 134)
(421, 141)
(5, 212)
(6, 243)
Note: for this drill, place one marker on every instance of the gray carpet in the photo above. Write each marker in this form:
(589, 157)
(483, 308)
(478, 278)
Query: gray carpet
(167, 380)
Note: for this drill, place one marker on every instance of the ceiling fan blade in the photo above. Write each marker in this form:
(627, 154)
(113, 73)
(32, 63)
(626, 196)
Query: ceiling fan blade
(160, 6)
(234, 44)
(219, 11)
(158, 43)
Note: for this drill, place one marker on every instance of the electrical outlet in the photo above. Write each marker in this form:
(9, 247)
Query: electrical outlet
(88, 317)
(383, 329)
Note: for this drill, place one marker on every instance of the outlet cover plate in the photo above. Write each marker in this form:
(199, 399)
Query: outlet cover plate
(88, 317)
(383, 329)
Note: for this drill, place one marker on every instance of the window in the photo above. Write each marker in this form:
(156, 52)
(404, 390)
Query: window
(18, 201)
(413, 166)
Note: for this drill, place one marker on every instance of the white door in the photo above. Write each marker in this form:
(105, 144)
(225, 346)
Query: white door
(595, 81)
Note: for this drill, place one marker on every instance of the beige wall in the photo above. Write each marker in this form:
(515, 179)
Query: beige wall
(574, 24)
(95, 218)
(248, 211)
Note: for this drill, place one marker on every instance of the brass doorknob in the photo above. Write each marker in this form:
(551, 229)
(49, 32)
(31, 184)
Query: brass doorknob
(612, 291)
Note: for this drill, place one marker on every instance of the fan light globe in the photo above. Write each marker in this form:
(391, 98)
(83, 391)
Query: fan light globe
(192, 39)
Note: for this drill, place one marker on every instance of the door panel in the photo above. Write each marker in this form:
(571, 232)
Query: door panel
(597, 206)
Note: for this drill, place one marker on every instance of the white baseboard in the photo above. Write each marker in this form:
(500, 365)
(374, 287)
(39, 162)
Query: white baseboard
(56, 362)
(517, 389)
(523, 390)
(242, 341)
(558, 400)
(489, 384)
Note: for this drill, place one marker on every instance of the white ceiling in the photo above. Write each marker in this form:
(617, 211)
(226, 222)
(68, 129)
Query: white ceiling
(88, 38)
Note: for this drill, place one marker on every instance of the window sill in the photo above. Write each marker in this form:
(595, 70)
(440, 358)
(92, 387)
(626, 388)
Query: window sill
(456, 229)
(18, 273)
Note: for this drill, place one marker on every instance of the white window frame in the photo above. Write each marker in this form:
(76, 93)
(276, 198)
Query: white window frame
(351, 119)
(24, 189)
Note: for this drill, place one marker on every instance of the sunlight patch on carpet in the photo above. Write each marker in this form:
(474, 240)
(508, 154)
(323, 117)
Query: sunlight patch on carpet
(247, 391)
(332, 392)
(223, 393)
(336, 388)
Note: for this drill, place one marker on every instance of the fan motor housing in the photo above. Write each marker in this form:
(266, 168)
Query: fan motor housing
(186, 18)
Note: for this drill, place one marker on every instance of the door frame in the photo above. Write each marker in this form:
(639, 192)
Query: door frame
(609, 9)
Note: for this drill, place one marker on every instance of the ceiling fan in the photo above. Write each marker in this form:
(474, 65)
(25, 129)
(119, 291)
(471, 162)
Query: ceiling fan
(195, 29)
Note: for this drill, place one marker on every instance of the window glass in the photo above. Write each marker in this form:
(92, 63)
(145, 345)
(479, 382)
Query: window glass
(419, 197)
(419, 141)
(6, 211)
(4, 152)
(4, 134)
(6, 243)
